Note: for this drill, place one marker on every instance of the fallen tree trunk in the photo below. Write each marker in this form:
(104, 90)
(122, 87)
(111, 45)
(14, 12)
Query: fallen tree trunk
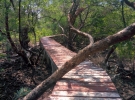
(103, 44)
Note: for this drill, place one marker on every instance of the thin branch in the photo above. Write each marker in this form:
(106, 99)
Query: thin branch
(122, 12)
(86, 16)
(12, 4)
(82, 22)
(61, 28)
(111, 50)
(80, 32)
(7, 29)
(58, 22)
(19, 19)
(73, 13)
(40, 52)
(84, 34)
(49, 17)
(131, 4)
(55, 20)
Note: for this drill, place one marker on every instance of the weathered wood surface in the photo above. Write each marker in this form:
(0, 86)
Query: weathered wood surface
(85, 82)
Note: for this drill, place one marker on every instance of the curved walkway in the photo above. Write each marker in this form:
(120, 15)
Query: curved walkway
(85, 82)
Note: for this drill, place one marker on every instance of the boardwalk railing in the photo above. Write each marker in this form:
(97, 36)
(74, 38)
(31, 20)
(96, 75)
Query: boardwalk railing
(85, 82)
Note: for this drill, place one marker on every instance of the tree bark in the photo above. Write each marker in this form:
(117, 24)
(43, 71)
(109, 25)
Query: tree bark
(111, 50)
(8, 35)
(74, 12)
(103, 44)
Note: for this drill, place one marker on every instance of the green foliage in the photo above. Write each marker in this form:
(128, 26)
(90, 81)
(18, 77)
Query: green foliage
(2, 37)
(104, 18)
(126, 49)
(21, 93)
(2, 55)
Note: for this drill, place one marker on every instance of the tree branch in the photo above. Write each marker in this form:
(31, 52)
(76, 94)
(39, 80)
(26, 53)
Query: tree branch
(82, 22)
(122, 12)
(111, 50)
(12, 4)
(7, 29)
(19, 19)
(131, 4)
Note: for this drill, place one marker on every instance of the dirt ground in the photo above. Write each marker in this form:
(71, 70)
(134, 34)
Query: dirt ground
(16, 77)
(124, 84)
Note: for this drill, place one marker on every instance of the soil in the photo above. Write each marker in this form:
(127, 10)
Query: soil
(16, 78)
(125, 84)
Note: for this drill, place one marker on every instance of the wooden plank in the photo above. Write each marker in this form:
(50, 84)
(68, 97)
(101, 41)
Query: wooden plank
(48, 41)
(86, 72)
(83, 94)
(91, 79)
(79, 98)
(84, 88)
(86, 76)
(87, 67)
(57, 49)
(87, 62)
(91, 66)
(73, 82)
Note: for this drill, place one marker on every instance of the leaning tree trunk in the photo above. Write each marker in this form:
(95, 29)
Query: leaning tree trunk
(103, 44)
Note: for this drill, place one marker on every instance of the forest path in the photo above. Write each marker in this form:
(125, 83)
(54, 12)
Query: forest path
(85, 82)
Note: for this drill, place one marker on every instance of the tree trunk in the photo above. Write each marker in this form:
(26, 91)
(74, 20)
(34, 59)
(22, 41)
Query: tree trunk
(8, 35)
(73, 15)
(103, 44)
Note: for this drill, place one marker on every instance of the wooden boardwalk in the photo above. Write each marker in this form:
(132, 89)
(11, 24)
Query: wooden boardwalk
(85, 82)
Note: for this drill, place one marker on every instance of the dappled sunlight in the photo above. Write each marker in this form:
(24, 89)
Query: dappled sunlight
(86, 80)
